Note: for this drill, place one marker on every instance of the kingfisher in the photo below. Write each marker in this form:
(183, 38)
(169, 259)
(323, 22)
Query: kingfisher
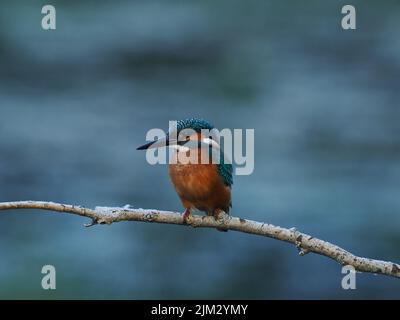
(205, 186)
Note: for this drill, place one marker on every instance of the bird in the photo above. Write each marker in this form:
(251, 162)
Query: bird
(200, 186)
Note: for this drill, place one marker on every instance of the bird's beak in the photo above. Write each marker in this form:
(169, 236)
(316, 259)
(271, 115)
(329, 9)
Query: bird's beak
(162, 142)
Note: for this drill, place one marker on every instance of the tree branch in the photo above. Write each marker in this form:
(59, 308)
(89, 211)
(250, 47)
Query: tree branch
(304, 242)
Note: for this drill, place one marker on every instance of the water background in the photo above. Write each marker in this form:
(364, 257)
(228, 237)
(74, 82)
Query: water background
(76, 102)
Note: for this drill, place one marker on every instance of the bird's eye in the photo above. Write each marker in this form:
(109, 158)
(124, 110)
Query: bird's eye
(187, 138)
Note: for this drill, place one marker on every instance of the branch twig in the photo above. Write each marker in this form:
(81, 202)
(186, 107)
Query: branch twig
(304, 242)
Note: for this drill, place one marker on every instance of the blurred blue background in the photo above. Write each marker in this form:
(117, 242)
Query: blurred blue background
(77, 101)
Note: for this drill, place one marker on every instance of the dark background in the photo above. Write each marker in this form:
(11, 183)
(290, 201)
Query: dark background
(77, 101)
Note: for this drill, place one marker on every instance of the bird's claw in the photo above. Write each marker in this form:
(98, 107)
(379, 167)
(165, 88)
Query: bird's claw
(186, 216)
(222, 218)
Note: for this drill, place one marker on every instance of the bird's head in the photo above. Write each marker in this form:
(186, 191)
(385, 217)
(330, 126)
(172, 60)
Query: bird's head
(187, 133)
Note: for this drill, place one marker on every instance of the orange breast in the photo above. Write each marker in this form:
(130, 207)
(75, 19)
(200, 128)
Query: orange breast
(200, 186)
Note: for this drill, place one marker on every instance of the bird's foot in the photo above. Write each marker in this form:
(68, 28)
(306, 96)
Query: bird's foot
(186, 216)
(222, 218)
